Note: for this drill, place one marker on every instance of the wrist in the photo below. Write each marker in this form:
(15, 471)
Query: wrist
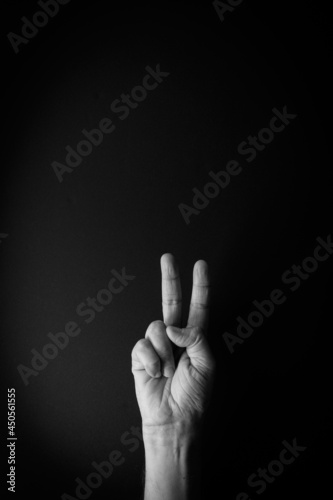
(176, 435)
(173, 461)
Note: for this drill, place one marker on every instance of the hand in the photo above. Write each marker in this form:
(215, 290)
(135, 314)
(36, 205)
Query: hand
(172, 393)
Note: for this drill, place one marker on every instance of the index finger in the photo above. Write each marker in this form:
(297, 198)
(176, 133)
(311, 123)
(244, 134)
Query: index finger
(199, 307)
(171, 291)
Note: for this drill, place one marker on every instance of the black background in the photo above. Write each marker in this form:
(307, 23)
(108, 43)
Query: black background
(119, 208)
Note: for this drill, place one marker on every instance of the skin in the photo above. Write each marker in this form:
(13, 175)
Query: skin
(173, 369)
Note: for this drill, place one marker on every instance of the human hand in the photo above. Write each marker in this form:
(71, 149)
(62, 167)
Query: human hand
(172, 393)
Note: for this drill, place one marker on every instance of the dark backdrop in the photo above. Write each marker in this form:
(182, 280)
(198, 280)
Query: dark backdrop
(120, 209)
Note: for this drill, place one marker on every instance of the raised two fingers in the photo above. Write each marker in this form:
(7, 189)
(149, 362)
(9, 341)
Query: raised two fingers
(155, 353)
(192, 338)
(172, 293)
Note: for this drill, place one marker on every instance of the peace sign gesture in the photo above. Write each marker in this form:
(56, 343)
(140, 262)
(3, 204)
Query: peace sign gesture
(172, 392)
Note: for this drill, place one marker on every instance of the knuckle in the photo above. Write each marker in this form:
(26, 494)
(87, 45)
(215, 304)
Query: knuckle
(155, 327)
(169, 301)
(200, 305)
(140, 346)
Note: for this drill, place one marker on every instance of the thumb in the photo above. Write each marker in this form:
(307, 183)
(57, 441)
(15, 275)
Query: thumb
(196, 345)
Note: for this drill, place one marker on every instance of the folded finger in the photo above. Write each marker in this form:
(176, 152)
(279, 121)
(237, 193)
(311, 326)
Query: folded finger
(161, 343)
(144, 357)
